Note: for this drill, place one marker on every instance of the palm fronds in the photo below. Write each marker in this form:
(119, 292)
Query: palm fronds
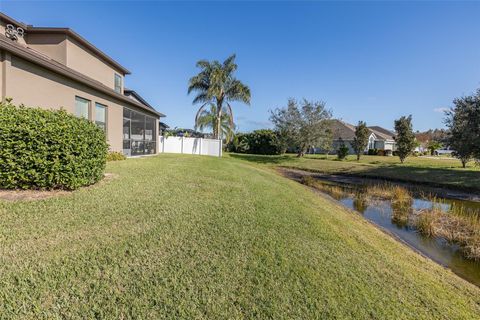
(215, 85)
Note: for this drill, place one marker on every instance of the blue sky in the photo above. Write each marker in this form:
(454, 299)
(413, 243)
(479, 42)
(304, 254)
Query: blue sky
(372, 61)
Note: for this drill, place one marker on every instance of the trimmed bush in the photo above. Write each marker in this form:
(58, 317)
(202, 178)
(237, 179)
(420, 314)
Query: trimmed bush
(48, 149)
(115, 156)
(257, 142)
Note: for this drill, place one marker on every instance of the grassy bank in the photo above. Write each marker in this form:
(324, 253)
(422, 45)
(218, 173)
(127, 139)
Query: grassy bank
(439, 172)
(200, 237)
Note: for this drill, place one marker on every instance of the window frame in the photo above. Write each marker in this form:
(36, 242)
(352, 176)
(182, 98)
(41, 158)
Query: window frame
(98, 104)
(89, 107)
(120, 79)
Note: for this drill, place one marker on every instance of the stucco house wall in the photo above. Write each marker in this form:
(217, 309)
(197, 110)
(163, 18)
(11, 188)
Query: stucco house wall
(54, 66)
(45, 89)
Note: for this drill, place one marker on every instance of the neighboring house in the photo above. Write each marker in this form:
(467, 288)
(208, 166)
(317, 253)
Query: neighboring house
(380, 139)
(162, 128)
(57, 68)
(179, 132)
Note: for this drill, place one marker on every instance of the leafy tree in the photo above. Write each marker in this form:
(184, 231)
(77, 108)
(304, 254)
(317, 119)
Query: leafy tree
(207, 119)
(405, 138)
(360, 141)
(433, 145)
(216, 84)
(463, 120)
(342, 150)
(303, 125)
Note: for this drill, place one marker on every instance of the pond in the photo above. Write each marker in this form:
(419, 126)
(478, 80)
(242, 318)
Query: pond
(385, 213)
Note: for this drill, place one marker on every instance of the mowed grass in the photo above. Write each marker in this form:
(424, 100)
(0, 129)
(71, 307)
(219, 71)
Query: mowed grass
(440, 172)
(200, 237)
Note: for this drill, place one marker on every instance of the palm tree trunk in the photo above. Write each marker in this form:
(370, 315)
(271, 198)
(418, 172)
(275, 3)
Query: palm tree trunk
(218, 120)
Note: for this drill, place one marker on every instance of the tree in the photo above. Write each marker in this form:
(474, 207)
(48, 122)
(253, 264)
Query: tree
(463, 120)
(216, 84)
(360, 141)
(405, 138)
(433, 145)
(207, 119)
(342, 150)
(303, 125)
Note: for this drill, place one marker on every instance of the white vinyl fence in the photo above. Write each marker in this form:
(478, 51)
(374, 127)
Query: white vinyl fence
(200, 146)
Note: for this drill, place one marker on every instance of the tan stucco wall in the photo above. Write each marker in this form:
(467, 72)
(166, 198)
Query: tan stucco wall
(81, 60)
(38, 87)
(2, 67)
(53, 45)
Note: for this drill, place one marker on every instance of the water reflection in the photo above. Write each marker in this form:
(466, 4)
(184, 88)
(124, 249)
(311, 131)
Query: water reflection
(360, 203)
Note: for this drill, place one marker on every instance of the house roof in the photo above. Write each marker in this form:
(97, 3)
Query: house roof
(342, 130)
(163, 125)
(132, 94)
(69, 32)
(346, 131)
(382, 133)
(42, 60)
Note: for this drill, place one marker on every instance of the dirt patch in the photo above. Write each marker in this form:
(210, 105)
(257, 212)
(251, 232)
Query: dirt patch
(29, 195)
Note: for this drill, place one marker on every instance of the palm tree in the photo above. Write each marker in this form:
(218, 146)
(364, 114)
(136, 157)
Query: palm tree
(215, 84)
(206, 119)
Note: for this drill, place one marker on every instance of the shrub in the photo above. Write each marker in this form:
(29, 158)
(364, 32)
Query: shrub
(48, 149)
(342, 150)
(372, 152)
(264, 141)
(115, 156)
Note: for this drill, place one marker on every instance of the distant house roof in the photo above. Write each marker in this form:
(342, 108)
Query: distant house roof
(163, 125)
(382, 133)
(346, 131)
(342, 130)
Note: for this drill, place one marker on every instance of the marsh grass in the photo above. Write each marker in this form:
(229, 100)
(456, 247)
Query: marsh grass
(457, 224)
(426, 222)
(334, 191)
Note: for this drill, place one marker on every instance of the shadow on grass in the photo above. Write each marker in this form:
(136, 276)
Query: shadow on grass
(468, 180)
(262, 159)
(435, 177)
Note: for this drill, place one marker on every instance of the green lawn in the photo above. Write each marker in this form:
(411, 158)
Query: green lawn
(200, 237)
(441, 172)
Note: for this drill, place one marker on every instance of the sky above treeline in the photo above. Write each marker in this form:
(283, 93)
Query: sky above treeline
(370, 61)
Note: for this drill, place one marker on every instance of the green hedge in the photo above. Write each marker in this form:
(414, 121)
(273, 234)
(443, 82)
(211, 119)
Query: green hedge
(263, 141)
(48, 149)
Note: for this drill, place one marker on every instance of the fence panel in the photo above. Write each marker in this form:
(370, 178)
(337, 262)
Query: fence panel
(200, 146)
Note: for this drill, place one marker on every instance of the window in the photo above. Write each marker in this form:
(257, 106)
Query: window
(118, 83)
(82, 108)
(101, 116)
(139, 136)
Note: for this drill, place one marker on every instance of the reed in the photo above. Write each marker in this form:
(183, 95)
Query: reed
(456, 226)
(401, 195)
(426, 222)
(334, 191)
